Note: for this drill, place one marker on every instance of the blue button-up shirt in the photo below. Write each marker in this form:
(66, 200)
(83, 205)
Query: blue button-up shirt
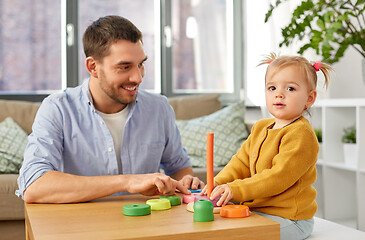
(70, 136)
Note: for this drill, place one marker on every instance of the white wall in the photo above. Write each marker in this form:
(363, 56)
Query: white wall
(348, 81)
(262, 38)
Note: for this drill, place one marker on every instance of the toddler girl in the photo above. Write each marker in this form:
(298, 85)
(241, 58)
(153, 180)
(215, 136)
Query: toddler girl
(273, 171)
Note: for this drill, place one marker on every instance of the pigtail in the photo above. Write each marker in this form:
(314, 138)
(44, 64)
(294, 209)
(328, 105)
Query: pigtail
(303, 63)
(268, 59)
(325, 69)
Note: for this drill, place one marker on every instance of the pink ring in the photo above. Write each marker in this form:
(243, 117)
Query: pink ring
(214, 201)
(189, 198)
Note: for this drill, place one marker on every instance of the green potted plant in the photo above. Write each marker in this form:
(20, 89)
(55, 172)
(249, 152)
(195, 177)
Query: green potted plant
(349, 145)
(318, 133)
(327, 26)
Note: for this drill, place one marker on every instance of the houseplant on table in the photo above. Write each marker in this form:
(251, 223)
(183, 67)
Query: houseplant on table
(349, 145)
(327, 26)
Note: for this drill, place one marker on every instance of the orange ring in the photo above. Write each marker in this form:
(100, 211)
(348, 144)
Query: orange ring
(235, 211)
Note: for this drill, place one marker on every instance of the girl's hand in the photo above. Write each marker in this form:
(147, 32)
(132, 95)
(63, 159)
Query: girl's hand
(226, 194)
(204, 190)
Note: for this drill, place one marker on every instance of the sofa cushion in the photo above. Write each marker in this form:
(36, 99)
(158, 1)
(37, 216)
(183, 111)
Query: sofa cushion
(201, 172)
(194, 106)
(11, 206)
(228, 126)
(22, 112)
(13, 141)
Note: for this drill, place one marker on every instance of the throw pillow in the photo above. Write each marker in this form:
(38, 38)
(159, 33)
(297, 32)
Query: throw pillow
(229, 130)
(13, 140)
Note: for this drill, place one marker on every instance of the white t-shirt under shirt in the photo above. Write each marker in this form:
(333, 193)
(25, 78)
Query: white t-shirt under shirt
(116, 123)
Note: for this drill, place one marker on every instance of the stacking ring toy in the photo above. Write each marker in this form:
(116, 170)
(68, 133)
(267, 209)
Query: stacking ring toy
(235, 211)
(190, 208)
(174, 200)
(188, 198)
(136, 209)
(159, 204)
(195, 191)
(203, 211)
(205, 197)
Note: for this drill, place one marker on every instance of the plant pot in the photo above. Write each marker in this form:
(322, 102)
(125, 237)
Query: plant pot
(350, 154)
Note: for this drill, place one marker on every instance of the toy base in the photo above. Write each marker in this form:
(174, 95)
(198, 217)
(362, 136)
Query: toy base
(190, 208)
(214, 201)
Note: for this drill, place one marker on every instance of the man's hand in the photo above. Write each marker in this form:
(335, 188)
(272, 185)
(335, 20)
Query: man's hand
(155, 184)
(189, 181)
(185, 177)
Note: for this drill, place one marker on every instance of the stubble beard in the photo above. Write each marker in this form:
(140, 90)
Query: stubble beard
(113, 93)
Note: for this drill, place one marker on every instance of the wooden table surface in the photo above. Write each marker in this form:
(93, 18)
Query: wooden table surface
(103, 219)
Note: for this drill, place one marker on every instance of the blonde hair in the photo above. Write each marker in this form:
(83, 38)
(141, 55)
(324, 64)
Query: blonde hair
(308, 69)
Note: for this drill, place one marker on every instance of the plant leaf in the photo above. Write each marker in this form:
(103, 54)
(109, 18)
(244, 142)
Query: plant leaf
(330, 25)
(320, 24)
(271, 9)
(359, 2)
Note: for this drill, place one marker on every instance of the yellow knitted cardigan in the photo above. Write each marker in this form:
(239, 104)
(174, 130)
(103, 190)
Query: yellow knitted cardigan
(274, 170)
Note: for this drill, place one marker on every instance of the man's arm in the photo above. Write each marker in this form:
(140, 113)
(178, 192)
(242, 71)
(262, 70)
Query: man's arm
(58, 187)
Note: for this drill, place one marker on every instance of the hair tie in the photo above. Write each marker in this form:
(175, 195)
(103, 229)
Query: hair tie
(317, 65)
(269, 61)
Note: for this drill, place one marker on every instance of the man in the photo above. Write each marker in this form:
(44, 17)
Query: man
(106, 136)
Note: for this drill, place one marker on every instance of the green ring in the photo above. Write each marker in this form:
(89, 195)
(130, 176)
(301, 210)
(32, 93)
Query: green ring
(174, 200)
(136, 209)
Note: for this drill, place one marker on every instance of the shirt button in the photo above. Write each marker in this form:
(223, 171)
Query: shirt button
(110, 149)
(101, 122)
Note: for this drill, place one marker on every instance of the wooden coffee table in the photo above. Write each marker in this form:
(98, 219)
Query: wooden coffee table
(103, 219)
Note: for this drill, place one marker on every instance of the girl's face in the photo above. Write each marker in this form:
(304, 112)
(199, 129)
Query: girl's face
(287, 95)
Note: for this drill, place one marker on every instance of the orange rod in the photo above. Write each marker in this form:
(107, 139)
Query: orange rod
(210, 150)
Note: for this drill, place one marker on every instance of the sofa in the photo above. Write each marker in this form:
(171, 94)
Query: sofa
(23, 113)
(12, 207)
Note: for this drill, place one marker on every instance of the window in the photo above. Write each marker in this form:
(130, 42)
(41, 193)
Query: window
(193, 46)
(142, 13)
(200, 47)
(30, 46)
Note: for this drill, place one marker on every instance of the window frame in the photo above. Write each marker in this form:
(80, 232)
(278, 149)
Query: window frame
(237, 53)
(70, 75)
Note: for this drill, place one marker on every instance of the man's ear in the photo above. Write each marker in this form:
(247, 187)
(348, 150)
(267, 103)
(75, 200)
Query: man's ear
(311, 98)
(91, 65)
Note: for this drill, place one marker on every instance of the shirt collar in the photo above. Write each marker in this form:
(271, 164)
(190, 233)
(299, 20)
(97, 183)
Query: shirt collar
(86, 93)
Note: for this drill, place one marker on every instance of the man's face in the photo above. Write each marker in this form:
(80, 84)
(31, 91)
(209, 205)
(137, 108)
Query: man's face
(120, 73)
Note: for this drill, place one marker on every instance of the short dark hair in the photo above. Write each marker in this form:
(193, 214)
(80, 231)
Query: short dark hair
(107, 30)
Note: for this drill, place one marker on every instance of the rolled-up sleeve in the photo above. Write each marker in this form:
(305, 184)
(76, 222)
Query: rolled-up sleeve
(44, 150)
